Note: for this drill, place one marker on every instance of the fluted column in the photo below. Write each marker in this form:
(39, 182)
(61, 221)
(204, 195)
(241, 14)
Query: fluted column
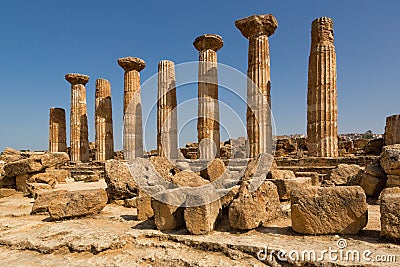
(322, 110)
(167, 126)
(133, 132)
(104, 123)
(79, 137)
(257, 29)
(392, 130)
(208, 106)
(57, 130)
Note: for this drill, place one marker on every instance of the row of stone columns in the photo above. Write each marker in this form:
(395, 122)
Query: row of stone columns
(322, 100)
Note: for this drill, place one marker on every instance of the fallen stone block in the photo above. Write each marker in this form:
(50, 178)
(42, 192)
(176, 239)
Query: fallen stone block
(372, 185)
(78, 203)
(44, 178)
(200, 220)
(285, 186)
(34, 188)
(120, 183)
(329, 210)
(166, 215)
(390, 159)
(259, 167)
(164, 167)
(345, 174)
(21, 183)
(254, 208)
(281, 174)
(390, 213)
(214, 170)
(313, 175)
(143, 205)
(393, 181)
(22, 167)
(43, 199)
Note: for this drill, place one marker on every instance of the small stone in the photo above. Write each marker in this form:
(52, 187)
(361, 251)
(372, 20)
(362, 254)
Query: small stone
(393, 181)
(214, 170)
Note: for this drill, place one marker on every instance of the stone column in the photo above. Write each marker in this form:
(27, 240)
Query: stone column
(133, 132)
(257, 29)
(208, 106)
(57, 130)
(167, 126)
(104, 123)
(392, 130)
(79, 137)
(322, 110)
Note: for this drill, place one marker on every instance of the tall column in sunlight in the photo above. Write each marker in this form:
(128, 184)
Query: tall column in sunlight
(79, 136)
(57, 130)
(103, 121)
(322, 112)
(208, 106)
(257, 29)
(133, 132)
(167, 125)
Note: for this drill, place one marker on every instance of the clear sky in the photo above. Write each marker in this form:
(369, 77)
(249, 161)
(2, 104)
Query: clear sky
(41, 41)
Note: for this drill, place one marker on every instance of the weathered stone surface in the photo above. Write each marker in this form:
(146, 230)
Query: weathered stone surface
(79, 136)
(133, 132)
(6, 192)
(390, 213)
(287, 185)
(22, 167)
(57, 130)
(21, 183)
(393, 181)
(167, 217)
(345, 174)
(35, 163)
(257, 29)
(392, 130)
(232, 193)
(329, 210)
(200, 220)
(313, 175)
(390, 159)
(130, 203)
(251, 209)
(322, 114)
(143, 205)
(45, 178)
(259, 167)
(167, 121)
(208, 106)
(59, 175)
(78, 203)
(103, 121)
(164, 167)
(189, 178)
(281, 174)
(43, 199)
(214, 170)
(34, 188)
(120, 183)
(372, 185)
(10, 155)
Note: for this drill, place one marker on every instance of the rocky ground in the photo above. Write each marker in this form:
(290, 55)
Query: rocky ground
(116, 238)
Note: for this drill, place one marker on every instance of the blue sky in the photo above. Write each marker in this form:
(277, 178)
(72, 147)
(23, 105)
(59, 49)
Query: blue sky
(41, 41)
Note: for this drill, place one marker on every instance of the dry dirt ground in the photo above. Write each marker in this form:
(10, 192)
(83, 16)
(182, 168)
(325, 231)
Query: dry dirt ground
(116, 238)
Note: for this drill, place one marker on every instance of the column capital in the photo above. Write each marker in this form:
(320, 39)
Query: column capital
(131, 63)
(76, 78)
(322, 31)
(257, 25)
(208, 41)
